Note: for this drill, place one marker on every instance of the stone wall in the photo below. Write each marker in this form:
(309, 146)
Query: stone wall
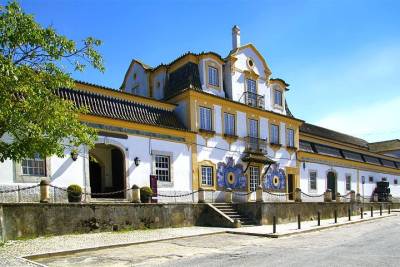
(26, 220)
(286, 212)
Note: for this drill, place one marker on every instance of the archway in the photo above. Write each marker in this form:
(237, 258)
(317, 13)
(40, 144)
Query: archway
(107, 170)
(331, 183)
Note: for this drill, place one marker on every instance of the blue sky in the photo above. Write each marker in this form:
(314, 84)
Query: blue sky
(341, 58)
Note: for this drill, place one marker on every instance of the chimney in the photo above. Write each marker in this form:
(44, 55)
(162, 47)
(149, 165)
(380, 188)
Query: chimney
(235, 37)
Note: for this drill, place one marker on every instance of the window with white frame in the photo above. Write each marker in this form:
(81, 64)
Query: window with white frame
(207, 176)
(162, 168)
(33, 167)
(254, 178)
(274, 134)
(313, 181)
(371, 179)
(229, 123)
(205, 118)
(290, 133)
(348, 182)
(213, 78)
(278, 97)
(253, 128)
(251, 86)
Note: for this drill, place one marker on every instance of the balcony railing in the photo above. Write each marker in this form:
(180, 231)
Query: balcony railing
(254, 100)
(254, 144)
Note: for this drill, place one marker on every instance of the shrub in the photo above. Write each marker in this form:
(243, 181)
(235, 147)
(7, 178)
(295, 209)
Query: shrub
(75, 189)
(145, 194)
(74, 193)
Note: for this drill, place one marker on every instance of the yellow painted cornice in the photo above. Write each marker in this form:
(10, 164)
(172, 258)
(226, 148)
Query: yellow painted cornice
(189, 136)
(267, 70)
(237, 106)
(124, 96)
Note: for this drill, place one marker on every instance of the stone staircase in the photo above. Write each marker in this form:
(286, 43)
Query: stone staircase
(229, 210)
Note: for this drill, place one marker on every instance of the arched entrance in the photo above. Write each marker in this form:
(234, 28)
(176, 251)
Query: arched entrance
(107, 170)
(331, 183)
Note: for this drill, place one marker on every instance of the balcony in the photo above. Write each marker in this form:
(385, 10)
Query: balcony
(254, 100)
(256, 145)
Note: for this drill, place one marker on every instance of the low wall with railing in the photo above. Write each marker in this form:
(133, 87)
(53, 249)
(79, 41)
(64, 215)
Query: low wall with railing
(286, 212)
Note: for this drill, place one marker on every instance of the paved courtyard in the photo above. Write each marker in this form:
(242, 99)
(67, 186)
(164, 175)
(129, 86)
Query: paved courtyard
(372, 243)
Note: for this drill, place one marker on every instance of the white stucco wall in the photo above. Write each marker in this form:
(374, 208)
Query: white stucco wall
(341, 172)
(139, 85)
(204, 83)
(158, 91)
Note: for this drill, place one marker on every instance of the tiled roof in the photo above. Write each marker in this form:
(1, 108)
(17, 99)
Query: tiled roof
(184, 77)
(114, 108)
(333, 135)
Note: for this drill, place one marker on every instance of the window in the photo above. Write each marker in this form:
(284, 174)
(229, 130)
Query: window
(327, 150)
(348, 182)
(213, 78)
(253, 128)
(205, 119)
(278, 97)
(313, 180)
(34, 167)
(395, 181)
(290, 137)
(162, 168)
(207, 175)
(229, 123)
(274, 134)
(371, 179)
(384, 179)
(251, 86)
(306, 146)
(352, 155)
(254, 178)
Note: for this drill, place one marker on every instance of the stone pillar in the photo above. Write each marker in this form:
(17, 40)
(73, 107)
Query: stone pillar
(44, 191)
(297, 195)
(358, 198)
(135, 194)
(338, 198)
(201, 195)
(228, 195)
(328, 195)
(375, 197)
(259, 194)
(352, 196)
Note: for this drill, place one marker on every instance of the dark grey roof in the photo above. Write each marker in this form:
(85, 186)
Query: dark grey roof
(115, 108)
(333, 135)
(184, 77)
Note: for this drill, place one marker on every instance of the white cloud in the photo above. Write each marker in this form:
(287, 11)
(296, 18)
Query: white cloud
(373, 122)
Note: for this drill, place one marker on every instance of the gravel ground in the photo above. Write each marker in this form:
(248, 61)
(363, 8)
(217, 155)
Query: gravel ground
(12, 250)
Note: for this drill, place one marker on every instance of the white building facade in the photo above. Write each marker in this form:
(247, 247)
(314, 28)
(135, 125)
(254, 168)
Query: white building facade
(204, 121)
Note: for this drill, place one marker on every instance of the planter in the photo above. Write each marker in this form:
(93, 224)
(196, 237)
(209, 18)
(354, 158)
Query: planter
(74, 197)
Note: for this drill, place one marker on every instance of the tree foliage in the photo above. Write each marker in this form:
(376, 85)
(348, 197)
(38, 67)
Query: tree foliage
(33, 65)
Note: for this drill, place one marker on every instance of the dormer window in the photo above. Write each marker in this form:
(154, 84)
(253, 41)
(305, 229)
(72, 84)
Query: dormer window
(213, 76)
(277, 97)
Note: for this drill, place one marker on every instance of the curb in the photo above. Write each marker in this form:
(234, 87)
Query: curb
(317, 228)
(29, 258)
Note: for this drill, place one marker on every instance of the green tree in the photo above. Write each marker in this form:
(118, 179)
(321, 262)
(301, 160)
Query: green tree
(33, 65)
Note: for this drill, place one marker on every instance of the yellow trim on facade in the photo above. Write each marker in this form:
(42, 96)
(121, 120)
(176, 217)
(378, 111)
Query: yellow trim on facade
(267, 70)
(218, 67)
(207, 163)
(189, 136)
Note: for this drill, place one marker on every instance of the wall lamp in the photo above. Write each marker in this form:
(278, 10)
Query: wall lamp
(74, 154)
(137, 161)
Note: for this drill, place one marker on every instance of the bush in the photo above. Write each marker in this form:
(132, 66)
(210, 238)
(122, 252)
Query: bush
(74, 193)
(75, 189)
(145, 194)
